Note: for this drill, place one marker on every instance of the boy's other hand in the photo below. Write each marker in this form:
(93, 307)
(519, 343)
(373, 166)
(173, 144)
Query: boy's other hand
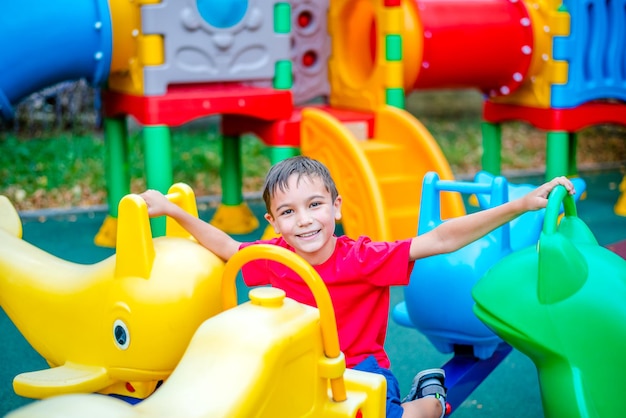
(538, 198)
(157, 202)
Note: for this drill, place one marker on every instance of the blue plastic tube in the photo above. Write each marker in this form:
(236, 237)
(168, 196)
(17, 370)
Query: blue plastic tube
(45, 42)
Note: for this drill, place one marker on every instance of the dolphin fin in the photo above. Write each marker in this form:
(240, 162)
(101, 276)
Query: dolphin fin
(9, 218)
(182, 195)
(135, 249)
(69, 378)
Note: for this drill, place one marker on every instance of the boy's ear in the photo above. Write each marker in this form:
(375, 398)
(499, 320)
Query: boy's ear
(338, 208)
(270, 219)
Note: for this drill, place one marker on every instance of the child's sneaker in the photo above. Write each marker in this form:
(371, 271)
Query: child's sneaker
(429, 382)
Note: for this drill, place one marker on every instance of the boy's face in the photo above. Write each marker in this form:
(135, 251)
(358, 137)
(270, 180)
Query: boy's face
(305, 215)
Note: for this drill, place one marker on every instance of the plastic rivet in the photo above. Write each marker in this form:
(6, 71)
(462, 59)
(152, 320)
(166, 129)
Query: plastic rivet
(267, 296)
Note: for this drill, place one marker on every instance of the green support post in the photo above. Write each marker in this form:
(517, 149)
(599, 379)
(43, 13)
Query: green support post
(158, 160)
(557, 154)
(573, 149)
(117, 176)
(117, 169)
(231, 171)
(277, 154)
(492, 147)
(233, 215)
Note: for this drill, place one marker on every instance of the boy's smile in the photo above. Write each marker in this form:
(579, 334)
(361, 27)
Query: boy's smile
(305, 215)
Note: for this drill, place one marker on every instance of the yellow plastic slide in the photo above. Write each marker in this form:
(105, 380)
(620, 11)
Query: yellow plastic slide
(379, 178)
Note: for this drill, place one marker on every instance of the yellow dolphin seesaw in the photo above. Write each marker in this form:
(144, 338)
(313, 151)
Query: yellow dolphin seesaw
(270, 357)
(119, 326)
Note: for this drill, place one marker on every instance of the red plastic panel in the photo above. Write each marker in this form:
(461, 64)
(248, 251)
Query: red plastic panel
(568, 120)
(184, 103)
(286, 132)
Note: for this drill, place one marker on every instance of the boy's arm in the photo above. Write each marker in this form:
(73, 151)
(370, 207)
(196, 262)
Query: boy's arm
(214, 239)
(458, 232)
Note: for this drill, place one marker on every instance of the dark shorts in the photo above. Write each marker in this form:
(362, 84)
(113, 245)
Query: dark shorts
(394, 410)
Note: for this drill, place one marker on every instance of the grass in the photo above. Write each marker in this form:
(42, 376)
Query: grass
(48, 166)
(66, 169)
(454, 118)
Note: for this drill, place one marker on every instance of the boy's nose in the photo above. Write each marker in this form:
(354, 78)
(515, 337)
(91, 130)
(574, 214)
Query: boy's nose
(304, 219)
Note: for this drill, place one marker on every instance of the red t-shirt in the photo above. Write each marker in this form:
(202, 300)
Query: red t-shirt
(358, 275)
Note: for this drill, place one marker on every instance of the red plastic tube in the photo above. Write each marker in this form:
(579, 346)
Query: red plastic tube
(484, 44)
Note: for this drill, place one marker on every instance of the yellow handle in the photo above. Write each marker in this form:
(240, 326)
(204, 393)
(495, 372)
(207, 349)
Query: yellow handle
(330, 339)
(182, 195)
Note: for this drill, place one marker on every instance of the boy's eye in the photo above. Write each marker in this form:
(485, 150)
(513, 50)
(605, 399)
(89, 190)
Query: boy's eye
(287, 212)
(315, 204)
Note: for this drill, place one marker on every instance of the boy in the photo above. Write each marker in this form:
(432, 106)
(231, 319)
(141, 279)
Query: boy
(303, 205)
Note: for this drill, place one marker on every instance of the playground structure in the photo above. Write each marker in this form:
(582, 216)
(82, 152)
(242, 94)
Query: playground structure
(450, 323)
(259, 64)
(168, 63)
(290, 352)
(269, 333)
(571, 291)
(97, 325)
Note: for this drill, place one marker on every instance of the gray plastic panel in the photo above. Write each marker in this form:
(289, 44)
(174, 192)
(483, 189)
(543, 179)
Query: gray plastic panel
(197, 52)
(310, 41)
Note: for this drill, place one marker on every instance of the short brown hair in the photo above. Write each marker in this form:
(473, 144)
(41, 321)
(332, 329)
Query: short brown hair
(279, 174)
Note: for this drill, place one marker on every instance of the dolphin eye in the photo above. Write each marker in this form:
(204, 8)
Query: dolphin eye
(121, 334)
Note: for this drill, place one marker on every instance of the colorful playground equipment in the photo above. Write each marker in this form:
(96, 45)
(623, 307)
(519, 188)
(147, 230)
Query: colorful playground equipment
(525, 229)
(449, 322)
(98, 325)
(257, 64)
(270, 357)
(571, 292)
(392, 190)
(267, 322)
(575, 81)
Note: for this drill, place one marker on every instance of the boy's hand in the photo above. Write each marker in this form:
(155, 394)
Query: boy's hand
(157, 203)
(538, 198)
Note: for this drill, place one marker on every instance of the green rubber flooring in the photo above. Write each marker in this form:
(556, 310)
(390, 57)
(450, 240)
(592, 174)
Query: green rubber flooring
(511, 390)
